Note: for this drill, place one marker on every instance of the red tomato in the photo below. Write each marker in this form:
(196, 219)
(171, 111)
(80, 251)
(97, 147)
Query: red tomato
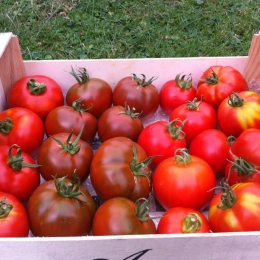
(38, 93)
(218, 82)
(184, 181)
(176, 92)
(64, 119)
(61, 207)
(180, 220)
(13, 217)
(23, 127)
(213, 147)
(239, 112)
(96, 94)
(121, 216)
(200, 116)
(137, 93)
(119, 121)
(236, 208)
(161, 139)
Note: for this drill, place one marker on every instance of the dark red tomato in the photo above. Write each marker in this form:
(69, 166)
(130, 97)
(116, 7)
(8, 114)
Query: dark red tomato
(61, 207)
(137, 93)
(61, 154)
(218, 82)
(120, 168)
(65, 119)
(212, 146)
(119, 121)
(38, 93)
(19, 175)
(13, 217)
(161, 139)
(198, 116)
(176, 92)
(95, 93)
(184, 180)
(179, 220)
(239, 112)
(121, 216)
(23, 127)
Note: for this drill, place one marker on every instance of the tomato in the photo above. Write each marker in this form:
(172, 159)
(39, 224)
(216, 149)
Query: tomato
(161, 139)
(176, 92)
(121, 216)
(212, 145)
(137, 93)
(200, 116)
(218, 82)
(119, 121)
(239, 112)
(63, 153)
(178, 220)
(13, 217)
(23, 127)
(19, 175)
(236, 208)
(95, 93)
(120, 168)
(64, 119)
(38, 93)
(184, 180)
(61, 207)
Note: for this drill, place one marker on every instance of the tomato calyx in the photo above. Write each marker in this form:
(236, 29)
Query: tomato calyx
(235, 100)
(228, 196)
(78, 106)
(82, 76)
(142, 82)
(230, 140)
(182, 156)
(176, 131)
(211, 80)
(35, 87)
(130, 112)
(142, 207)
(193, 105)
(5, 208)
(183, 83)
(6, 125)
(191, 223)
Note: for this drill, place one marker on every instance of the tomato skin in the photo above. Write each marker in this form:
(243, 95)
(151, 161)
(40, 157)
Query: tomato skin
(16, 223)
(226, 81)
(234, 120)
(172, 221)
(20, 96)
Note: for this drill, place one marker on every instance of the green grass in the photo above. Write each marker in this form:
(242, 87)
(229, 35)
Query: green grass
(93, 29)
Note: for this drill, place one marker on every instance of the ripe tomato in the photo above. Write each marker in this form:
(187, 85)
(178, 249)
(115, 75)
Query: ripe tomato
(200, 116)
(13, 217)
(218, 82)
(161, 139)
(236, 208)
(178, 220)
(137, 93)
(64, 119)
(19, 175)
(239, 112)
(121, 216)
(38, 93)
(120, 168)
(61, 207)
(23, 127)
(95, 93)
(119, 121)
(176, 92)
(184, 181)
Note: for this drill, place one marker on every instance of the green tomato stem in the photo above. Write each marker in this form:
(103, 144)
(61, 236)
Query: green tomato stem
(5, 208)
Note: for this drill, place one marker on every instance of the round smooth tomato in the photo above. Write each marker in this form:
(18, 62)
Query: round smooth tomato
(218, 82)
(23, 127)
(198, 116)
(65, 119)
(121, 216)
(137, 93)
(180, 220)
(13, 217)
(239, 112)
(61, 207)
(119, 121)
(95, 93)
(120, 168)
(184, 180)
(176, 92)
(38, 93)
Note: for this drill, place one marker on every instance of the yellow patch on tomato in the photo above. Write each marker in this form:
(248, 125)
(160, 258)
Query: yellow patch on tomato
(248, 114)
(251, 202)
(232, 220)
